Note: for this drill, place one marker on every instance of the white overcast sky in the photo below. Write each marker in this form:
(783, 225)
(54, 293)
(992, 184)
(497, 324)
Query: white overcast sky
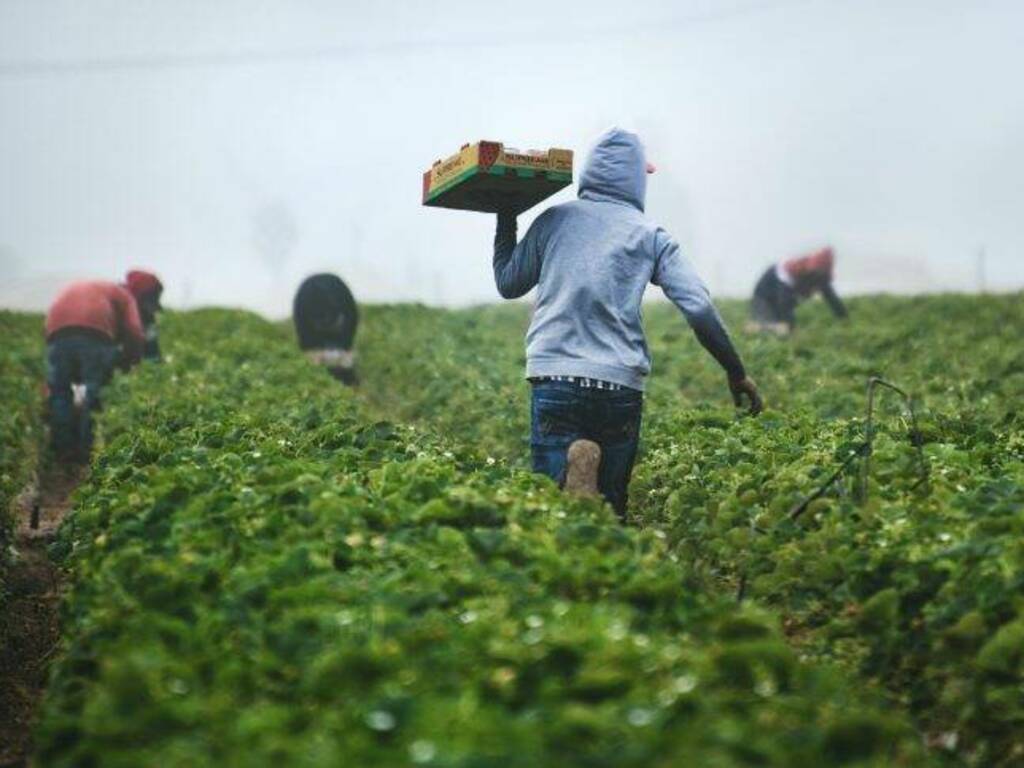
(234, 146)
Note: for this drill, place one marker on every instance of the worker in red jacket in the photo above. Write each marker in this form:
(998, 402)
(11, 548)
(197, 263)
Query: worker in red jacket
(147, 289)
(785, 284)
(91, 325)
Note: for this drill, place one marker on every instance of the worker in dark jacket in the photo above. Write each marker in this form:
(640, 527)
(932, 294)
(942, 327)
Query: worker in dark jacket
(784, 285)
(90, 326)
(326, 319)
(586, 355)
(147, 290)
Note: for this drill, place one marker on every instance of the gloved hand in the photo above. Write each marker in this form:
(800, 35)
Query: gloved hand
(746, 386)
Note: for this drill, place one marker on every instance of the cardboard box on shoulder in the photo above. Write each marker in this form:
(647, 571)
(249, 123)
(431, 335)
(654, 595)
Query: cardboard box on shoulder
(486, 176)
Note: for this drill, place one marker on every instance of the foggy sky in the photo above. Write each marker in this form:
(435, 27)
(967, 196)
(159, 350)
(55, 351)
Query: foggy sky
(235, 146)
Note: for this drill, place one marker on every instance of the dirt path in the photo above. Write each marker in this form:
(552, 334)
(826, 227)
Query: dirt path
(29, 619)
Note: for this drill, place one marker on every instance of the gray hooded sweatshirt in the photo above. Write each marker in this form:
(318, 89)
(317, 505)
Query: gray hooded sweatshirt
(591, 260)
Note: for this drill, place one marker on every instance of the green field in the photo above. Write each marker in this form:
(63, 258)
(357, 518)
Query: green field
(266, 568)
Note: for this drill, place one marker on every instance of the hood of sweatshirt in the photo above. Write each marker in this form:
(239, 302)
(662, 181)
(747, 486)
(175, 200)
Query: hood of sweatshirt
(616, 170)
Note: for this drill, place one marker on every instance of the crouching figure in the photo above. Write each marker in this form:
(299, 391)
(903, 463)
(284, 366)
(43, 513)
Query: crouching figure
(788, 283)
(90, 327)
(147, 290)
(326, 319)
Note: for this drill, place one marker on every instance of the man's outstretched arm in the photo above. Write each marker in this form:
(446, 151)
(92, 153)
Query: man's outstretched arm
(828, 293)
(681, 284)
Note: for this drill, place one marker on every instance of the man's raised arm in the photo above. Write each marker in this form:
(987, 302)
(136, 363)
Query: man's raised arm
(516, 266)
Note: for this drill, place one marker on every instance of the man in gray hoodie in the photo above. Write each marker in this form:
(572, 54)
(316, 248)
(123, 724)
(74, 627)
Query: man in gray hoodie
(587, 356)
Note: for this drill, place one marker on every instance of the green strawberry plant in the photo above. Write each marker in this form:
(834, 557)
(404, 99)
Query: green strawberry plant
(21, 382)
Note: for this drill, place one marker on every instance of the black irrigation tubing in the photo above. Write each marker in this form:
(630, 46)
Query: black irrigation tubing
(915, 434)
(864, 449)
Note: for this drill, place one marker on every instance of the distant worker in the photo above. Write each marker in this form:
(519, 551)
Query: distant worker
(587, 356)
(147, 290)
(84, 328)
(786, 284)
(326, 319)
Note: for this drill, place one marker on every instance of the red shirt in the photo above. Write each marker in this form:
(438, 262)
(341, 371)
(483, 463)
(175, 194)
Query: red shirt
(99, 306)
(808, 273)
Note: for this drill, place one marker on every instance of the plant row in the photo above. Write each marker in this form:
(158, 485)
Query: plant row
(261, 572)
(21, 432)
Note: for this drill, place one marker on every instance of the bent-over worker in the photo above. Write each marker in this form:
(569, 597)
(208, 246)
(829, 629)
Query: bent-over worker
(785, 284)
(147, 289)
(89, 327)
(326, 318)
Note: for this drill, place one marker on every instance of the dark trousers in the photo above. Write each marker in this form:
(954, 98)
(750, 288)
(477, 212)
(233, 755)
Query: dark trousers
(562, 412)
(76, 358)
(774, 301)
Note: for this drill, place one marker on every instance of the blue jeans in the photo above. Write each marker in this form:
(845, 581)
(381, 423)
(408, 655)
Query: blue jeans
(562, 412)
(76, 358)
